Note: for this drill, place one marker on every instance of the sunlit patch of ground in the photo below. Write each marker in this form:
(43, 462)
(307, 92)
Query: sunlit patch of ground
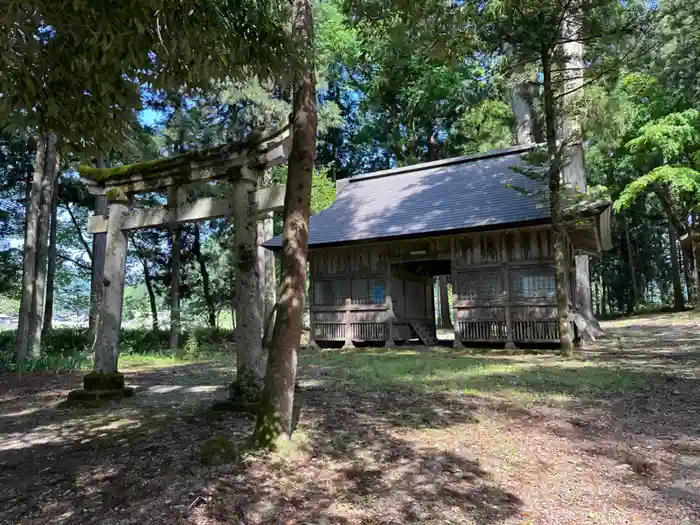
(386, 436)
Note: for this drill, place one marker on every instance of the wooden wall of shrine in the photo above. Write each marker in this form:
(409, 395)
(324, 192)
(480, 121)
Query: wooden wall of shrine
(503, 288)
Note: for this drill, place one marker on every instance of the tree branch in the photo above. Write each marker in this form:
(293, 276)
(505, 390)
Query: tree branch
(79, 264)
(605, 72)
(557, 32)
(85, 244)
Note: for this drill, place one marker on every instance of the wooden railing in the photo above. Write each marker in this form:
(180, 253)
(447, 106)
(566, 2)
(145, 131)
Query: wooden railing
(482, 331)
(535, 331)
(329, 331)
(368, 331)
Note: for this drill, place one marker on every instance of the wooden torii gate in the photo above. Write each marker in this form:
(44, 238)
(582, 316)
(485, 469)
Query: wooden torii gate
(243, 164)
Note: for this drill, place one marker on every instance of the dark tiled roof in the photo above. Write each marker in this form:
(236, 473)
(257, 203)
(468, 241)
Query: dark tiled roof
(454, 194)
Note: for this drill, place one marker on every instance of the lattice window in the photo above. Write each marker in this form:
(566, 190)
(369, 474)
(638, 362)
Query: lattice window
(537, 282)
(480, 285)
(329, 292)
(367, 291)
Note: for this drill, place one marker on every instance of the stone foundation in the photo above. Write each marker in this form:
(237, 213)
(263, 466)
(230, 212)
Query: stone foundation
(103, 381)
(101, 386)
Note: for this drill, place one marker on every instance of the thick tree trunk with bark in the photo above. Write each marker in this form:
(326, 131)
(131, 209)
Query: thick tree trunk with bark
(558, 233)
(250, 359)
(584, 302)
(277, 402)
(99, 245)
(51, 272)
(696, 272)
(604, 299)
(630, 260)
(206, 286)
(522, 105)
(689, 282)
(445, 321)
(48, 185)
(678, 302)
(151, 295)
(573, 170)
(30, 239)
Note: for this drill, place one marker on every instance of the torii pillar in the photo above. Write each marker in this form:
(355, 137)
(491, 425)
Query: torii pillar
(105, 381)
(250, 356)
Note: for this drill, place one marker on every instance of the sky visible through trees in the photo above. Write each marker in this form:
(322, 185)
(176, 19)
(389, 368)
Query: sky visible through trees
(170, 315)
(397, 86)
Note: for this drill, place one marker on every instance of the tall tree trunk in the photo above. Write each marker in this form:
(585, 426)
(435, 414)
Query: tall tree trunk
(630, 260)
(36, 248)
(99, 247)
(432, 144)
(522, 105)
(51, 273)
(678, 302)
(573, 169)
(151, 295)
(31, 231)
(175, 234)
(559, 237)
(206, 286)
(445, 321)
(276, 404)
(687, 274)
(604, 300)
(696, 271)
(48, 186)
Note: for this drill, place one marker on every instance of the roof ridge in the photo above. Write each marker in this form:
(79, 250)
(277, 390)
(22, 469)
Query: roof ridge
(502, 152)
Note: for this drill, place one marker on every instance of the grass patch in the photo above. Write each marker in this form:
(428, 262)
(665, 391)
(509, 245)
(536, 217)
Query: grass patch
(523, 377)
(45, 363)
(70, 350)
(146, 360)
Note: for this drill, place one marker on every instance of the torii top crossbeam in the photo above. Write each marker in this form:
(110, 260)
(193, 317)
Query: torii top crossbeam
(244, 160)
(258, 152)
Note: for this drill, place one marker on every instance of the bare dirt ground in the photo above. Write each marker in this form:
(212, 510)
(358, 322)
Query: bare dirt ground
(613, 438)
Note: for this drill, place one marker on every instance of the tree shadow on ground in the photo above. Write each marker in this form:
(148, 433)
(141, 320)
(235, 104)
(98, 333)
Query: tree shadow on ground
(360, 467)
(26, 404)
(640, 415)
(362, 455)
(114, 463)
